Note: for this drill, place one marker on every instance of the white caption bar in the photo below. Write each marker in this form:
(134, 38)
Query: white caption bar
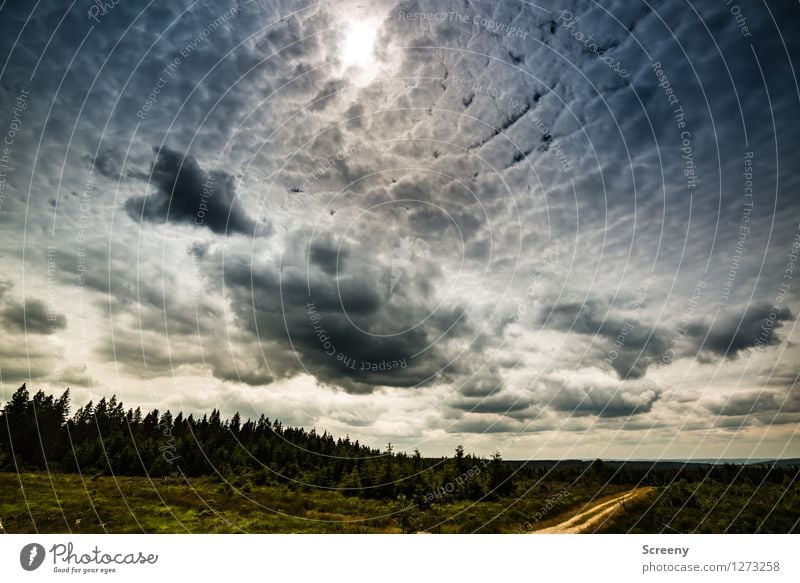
(417, 558)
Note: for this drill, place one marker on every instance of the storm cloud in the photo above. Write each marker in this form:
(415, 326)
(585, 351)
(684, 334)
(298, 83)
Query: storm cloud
(187, 194)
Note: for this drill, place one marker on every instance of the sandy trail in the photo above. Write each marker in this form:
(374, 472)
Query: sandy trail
(587, 520)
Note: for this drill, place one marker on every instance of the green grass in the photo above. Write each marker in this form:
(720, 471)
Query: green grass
(61, 503)
(710, 507)
(70, 503)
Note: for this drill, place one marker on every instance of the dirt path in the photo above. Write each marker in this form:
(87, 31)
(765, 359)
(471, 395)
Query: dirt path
(587, 520)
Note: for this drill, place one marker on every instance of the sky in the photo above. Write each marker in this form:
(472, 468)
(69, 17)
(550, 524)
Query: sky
(551, 229)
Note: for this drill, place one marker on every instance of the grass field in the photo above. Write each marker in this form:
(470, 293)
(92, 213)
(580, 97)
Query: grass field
(60, 503)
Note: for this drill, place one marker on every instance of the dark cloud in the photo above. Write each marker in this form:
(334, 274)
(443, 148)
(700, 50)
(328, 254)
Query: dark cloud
(187, 194)
(502, 404)
(108, 162)
(602, 401)
(631, 345)
(25, 359)
(325, 255)
(482, 424)
(627, 342)
(146, 353)
(759, 402)
(32, 317)
(354, 115)
(731, 333)
(327, 94)
(344, 328)
(286, 309)
(24, 363)
(482, 383)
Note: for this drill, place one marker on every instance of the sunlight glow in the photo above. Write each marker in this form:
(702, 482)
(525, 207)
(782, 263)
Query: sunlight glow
(359, 44)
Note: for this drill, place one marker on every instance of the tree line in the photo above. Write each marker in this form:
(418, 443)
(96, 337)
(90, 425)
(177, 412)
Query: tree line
(37, 432)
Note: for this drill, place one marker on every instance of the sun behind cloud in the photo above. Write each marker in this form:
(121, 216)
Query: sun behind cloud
(358, 46)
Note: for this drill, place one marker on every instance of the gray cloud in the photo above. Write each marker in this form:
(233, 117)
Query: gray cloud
(730, 334)
(344, 329)
(32, 317)
(629, 343)
(326, 255)
(185, 193)
(589, 400)
(750, 402)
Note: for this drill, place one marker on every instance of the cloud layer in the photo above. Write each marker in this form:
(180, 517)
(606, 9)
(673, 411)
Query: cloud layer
(575, 222)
